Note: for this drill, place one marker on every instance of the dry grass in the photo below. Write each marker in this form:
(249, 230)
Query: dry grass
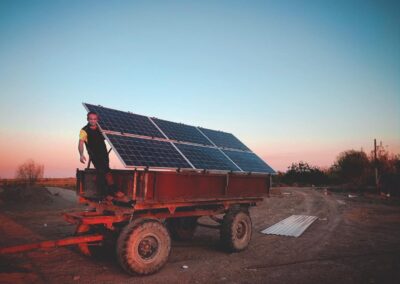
(56, 182)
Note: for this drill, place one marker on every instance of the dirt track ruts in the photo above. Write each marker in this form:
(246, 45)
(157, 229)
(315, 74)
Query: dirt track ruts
(355, 242)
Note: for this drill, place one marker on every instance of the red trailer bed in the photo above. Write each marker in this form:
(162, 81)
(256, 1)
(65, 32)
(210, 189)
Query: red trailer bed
(167, 204)
(155, 187)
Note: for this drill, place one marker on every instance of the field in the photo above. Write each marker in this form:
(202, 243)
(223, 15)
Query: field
(355, 240)
(56, 182)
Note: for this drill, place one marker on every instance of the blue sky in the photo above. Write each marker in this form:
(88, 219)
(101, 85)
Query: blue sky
(294, 80)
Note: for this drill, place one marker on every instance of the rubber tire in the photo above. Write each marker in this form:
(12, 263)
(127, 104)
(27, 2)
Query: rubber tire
(128, 242)
(182, 228)
(231, 239)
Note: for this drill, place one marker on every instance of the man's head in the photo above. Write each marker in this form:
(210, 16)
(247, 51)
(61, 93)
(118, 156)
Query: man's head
(92, 118)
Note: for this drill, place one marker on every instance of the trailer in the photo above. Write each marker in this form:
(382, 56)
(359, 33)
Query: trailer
(165, 205)
(174, 175)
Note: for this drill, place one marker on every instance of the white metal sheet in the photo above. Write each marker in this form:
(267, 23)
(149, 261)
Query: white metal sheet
(292, 226)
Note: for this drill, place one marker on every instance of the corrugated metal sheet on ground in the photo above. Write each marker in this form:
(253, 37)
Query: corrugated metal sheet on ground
(292, 226)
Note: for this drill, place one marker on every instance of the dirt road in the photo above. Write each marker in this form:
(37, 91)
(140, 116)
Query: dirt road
(355, 240)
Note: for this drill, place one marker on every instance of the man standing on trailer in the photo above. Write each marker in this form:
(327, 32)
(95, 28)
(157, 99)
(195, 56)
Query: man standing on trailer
(91, 136)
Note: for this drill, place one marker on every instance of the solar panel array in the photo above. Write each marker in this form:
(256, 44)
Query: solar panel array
(141, 141)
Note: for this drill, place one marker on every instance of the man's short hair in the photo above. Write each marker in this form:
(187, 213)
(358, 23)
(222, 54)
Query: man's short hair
(92, 112)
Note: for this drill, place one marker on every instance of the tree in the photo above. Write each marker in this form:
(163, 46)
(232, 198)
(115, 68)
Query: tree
(352, 166)
(385, 161)
(303, 173)
(29, 172)
(388, 169)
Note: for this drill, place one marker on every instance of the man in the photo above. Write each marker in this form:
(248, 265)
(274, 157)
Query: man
(91, 136)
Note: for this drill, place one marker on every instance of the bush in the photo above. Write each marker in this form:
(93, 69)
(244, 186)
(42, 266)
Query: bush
(29, 172)
(304, 174)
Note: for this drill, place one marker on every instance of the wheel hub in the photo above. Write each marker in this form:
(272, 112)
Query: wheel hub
(148, 247)
(240, 230)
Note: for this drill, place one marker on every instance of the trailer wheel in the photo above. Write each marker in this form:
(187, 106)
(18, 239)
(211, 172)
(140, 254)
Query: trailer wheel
(236, 230)
(143, 248)
(183, 228)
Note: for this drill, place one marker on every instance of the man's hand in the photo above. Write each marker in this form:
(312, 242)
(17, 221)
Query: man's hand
(83, 159)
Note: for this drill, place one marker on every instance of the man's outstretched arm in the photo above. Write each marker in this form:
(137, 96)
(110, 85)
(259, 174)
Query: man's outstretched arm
(82, 139)
(81, 154)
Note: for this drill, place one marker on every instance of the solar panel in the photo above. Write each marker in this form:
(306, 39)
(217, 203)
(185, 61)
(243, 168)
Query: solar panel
(181, 132)
(249, 162)
(147, 152)
(120, 121)
(206, 157)
(224, 139)
(173, 145)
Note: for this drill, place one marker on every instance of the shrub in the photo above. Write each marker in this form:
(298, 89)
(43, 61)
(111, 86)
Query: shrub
(29, 172)
(304, 174)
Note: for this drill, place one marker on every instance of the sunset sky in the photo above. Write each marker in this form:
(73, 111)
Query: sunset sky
(294, 80)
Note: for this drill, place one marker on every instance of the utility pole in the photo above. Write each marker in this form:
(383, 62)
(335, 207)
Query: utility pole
(376, 168)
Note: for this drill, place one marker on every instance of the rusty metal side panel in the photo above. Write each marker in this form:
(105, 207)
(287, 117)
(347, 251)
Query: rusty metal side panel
(247, 186)
(151, 186)
(124, 183)
(150, 183)
(166, 186)
(86, 182)
(187, 186)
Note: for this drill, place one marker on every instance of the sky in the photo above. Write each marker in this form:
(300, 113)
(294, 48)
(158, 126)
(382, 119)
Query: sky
(294, 80)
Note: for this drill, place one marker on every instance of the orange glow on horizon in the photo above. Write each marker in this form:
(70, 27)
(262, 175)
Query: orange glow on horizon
(59, 153)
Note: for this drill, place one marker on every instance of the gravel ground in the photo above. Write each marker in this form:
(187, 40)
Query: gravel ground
(355, 240)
